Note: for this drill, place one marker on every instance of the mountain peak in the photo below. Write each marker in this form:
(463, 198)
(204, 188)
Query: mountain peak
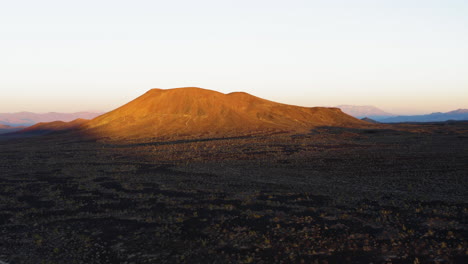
(182, 90)
(198, 112)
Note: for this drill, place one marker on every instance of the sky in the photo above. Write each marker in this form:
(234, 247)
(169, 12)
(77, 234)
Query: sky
(403, 56)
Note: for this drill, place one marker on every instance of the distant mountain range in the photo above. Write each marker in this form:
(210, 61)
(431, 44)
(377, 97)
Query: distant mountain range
(361, 111)
(28, 118)
(374, 113)
(460, 114)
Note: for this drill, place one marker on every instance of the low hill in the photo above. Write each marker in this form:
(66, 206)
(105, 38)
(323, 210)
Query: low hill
(29, 118)
(370, 120)
(8, 129)
(196, 112)
(49, 127)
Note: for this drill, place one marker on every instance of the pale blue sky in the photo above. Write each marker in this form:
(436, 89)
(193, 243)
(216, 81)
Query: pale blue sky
(405, 57)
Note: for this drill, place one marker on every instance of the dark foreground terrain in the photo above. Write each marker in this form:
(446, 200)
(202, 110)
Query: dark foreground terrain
(396, 195)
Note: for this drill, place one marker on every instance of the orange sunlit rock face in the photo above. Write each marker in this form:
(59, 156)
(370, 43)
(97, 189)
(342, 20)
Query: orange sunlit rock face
(196, 112)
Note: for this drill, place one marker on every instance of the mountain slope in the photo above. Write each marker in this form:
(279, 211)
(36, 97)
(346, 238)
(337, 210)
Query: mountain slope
(196, 112)
(460, 114)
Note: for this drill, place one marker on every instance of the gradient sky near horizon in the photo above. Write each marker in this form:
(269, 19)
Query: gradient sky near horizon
(403, 56)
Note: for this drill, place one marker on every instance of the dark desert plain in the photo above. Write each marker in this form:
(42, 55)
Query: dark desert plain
(191, 175)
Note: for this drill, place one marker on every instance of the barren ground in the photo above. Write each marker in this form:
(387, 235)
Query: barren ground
(331, 196)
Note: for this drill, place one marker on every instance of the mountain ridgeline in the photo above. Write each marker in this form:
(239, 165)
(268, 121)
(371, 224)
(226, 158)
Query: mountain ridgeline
(374, 113)
(456, 115)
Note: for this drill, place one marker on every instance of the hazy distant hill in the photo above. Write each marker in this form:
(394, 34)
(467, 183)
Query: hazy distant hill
(361, 111)
(460, 114)
(28, 118)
